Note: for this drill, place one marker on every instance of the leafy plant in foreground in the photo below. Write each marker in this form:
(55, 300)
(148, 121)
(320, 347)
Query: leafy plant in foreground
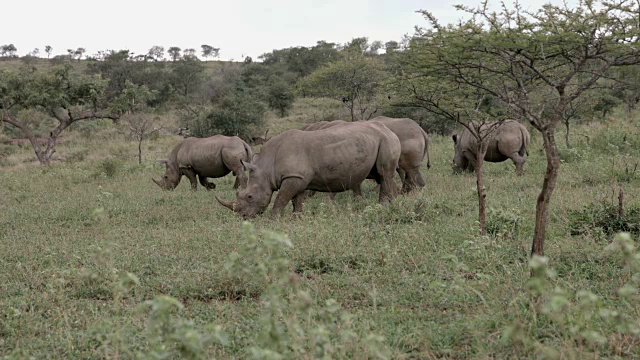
(558, 316)
(294, 326)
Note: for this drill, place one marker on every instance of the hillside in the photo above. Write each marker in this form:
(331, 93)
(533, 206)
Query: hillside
(211, 66)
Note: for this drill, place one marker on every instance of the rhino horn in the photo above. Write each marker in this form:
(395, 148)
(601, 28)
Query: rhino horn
(229, 205)
(158, 183)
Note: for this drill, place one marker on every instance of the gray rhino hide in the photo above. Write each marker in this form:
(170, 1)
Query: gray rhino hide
(334, 159)
(211, 157)
(509, 141)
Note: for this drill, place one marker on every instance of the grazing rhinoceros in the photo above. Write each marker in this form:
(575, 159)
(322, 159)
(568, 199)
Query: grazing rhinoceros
(212, 157)
(414, 144)
(509, 140)
(335, 159)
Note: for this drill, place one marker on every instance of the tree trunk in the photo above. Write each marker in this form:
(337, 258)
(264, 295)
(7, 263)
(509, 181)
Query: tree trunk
(548, 185)
(353, 116)
(566, 135)
(482, 206)
(140, 151)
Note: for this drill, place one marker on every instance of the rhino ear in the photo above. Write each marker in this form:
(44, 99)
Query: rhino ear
(455, 138)
(248, 166)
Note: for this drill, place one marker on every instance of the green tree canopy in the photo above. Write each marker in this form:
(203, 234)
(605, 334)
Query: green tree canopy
(534, 63)
(57, 93)
(355, 79)
(209, 51)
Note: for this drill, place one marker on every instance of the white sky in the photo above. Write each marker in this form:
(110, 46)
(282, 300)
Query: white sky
(238, 27)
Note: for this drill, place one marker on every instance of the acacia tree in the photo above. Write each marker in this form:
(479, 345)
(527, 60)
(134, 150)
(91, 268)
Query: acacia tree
(79, 52)
(537, 63)
(156, 53)
(357, 80)
(174, 52)
(133, 100)
(8, 50)
(422, 81)
(141, 127)
(280, 97)
(187, 75)
(209, 51)
(48, 49)
(57, 93)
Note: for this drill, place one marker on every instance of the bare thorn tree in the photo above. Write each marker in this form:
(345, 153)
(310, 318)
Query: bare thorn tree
(141, 127)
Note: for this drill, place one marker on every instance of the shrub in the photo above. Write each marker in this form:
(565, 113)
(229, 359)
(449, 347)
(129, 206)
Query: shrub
(280, 97)
(602, 217)
(570, 155)
(109, 167)
(582, 316)
(237, 114)
(616, 140)
(403, 210)
(503, 223)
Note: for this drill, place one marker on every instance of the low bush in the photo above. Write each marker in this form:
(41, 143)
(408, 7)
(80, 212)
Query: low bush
(503, 223)
(109, 167)
(603, 217)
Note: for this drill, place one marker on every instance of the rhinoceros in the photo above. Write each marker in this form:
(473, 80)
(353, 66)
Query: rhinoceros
(509, 140)
(335, 159)
(212, 157)
(414, 144)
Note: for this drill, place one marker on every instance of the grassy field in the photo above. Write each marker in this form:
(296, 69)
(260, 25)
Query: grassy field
(89, 247)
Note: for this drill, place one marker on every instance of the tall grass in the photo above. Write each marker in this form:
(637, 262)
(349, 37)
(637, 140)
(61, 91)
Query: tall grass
(110, 266)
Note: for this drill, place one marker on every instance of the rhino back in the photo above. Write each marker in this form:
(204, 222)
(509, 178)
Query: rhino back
(333, 159)
(205, 155)
(509, 138)
(412, 140)
(322, 125)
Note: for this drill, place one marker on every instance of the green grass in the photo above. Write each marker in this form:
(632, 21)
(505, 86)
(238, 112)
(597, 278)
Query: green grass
(414, 272)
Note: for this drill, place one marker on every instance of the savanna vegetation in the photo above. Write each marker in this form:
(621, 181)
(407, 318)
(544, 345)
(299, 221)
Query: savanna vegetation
(98, 262)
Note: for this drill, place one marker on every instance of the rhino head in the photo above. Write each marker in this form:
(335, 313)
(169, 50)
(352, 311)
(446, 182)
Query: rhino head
(255, 198)
(459, 163)
(171, 177)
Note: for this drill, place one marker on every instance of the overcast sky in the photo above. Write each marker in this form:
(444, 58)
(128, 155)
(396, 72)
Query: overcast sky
(238, 27)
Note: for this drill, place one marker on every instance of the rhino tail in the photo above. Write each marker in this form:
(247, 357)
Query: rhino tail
(524, 148)
(426, 147)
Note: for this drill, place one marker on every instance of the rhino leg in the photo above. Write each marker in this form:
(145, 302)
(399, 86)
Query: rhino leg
(388, 186)
(233, 162)
(191, 175)
(298, 202)
(207, 185)
(471, 161)
(420, 180)
(519, 161)
(412, 180)
(289, 188)
(357, 190)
